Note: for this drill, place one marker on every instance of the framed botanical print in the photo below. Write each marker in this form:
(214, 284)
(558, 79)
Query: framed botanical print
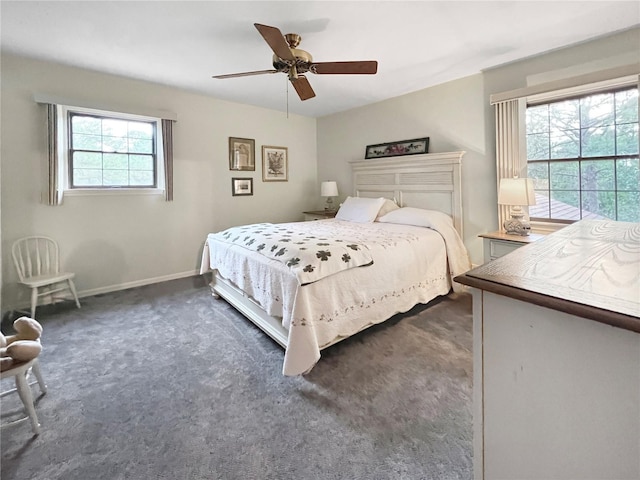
(275, 164)
(241, 186)
(242, 153)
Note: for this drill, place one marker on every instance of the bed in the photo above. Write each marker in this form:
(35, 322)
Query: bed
(392, 263)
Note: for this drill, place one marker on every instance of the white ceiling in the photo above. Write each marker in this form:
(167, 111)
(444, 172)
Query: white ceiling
(417, 43)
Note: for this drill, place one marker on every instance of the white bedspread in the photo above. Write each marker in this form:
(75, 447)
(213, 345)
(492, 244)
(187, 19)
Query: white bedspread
(410, 266)
(310, 250)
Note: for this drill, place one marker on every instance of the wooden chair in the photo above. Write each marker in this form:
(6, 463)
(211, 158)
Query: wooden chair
(38, 264)
(23, 387)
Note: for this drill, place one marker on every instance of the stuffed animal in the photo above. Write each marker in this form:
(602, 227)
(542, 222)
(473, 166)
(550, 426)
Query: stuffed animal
(21, 347)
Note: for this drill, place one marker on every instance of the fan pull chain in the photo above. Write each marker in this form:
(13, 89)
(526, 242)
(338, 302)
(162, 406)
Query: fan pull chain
(287, 82)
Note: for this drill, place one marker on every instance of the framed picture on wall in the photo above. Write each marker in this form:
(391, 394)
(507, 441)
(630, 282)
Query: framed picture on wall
(242, 153)
(275, 164)
(394, 149)
(241, 186)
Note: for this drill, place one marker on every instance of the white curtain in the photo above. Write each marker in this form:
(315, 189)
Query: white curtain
(167, 150)
(511, 151)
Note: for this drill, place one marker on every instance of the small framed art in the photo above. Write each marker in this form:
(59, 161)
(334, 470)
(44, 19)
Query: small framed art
(242, 154)
(241, 186)
(393, 149)
(275, 164)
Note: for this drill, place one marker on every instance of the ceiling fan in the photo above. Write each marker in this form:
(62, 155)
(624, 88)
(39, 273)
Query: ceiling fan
(295, 62)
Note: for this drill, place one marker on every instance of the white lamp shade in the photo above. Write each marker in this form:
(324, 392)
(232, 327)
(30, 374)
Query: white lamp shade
(328, 189)
(516, 191)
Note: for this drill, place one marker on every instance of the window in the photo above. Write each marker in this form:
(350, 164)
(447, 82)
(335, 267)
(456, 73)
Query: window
(111, 152)
(582, 154)
(106, 152)
(100, 152)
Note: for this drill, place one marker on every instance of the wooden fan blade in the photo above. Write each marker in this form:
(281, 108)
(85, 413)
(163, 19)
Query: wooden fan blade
(245, 74)
(303, 87)
(368, 67)
(276, 41)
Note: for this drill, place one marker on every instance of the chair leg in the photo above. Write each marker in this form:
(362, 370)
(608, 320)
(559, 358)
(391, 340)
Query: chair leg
(38, 374)
(27, 399)
(34, 301)
(72, 287)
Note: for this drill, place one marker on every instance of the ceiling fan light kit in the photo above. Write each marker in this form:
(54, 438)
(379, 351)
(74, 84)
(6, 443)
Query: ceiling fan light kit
(295, 62)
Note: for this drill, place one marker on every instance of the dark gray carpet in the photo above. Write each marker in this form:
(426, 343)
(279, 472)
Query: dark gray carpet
(165, 382)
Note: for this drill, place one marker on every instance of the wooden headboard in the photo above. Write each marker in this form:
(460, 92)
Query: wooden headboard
(430, 181)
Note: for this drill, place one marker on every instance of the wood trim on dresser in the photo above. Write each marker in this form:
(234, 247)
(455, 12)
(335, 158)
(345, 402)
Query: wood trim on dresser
(608, 317)
(589, 269)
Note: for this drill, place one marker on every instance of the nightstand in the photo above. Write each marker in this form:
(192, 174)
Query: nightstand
(319, 215)
(498, 244)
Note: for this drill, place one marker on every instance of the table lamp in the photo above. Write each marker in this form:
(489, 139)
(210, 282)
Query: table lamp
(329, 190)
(516, 192)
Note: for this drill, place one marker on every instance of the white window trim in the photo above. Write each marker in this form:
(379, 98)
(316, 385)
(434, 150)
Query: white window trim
(109, 107)
(98, 192)
(63, 155)
(623, 74)
(588, 89)
(546, 227)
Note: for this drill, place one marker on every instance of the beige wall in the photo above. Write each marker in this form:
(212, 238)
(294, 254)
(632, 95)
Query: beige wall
(451, 115)
(123, 240)
(457, 116)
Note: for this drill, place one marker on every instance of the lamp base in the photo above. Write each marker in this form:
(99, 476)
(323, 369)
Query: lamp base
(328, 207)
(517, 226)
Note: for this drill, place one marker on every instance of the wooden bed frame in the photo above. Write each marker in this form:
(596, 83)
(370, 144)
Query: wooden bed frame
(431, 181)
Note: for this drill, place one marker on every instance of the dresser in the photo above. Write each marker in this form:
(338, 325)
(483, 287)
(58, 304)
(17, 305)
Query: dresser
(556, 356)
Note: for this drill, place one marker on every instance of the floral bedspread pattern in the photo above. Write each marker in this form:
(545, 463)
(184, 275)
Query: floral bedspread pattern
(310, 253)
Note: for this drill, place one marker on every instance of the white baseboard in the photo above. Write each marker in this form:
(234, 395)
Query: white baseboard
(121, 286)
(136, 283)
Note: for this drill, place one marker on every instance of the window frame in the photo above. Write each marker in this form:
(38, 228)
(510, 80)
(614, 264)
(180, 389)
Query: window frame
(551, 224)
(65, 113)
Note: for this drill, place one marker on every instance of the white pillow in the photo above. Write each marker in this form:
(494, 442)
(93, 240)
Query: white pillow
(362, 210)
(387, 206)
(417, 216)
